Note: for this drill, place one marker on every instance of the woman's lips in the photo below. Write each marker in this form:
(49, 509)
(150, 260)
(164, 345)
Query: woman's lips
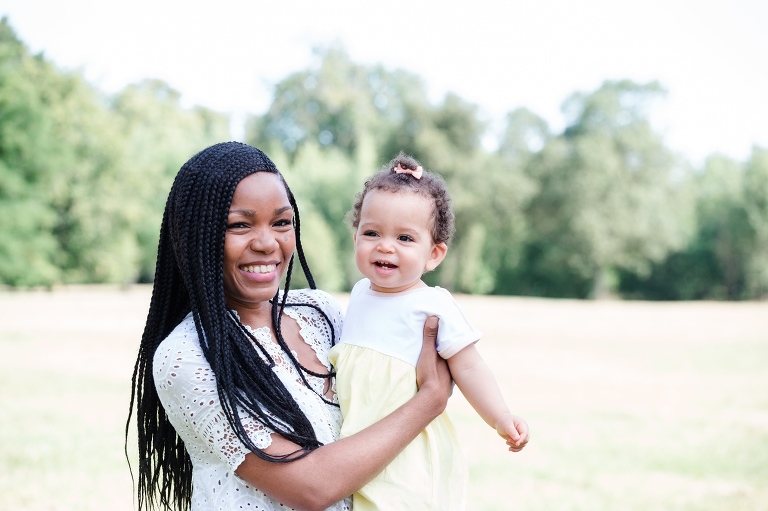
(260, 272)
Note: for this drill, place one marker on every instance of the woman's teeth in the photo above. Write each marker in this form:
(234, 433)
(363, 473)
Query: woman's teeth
(260, 268)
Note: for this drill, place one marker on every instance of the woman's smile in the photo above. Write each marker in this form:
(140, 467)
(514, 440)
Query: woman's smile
(260, 272)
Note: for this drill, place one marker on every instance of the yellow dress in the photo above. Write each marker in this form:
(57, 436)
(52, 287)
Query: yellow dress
(376, 373)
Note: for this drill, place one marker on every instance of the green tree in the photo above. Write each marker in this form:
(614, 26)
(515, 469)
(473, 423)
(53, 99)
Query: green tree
(756, 209)
(58, 154)
(521, 141)
(602, 207)
(607, 198)
(83, 177)
(27, 243)
(158, 135)
(338, 122)
(334, 103)
(726, 258)
(723, 227)
(524, 135)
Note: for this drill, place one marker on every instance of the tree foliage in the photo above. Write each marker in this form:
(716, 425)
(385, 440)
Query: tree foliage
(606, 191)
(726, 256)
(601, 208)
(83, 177)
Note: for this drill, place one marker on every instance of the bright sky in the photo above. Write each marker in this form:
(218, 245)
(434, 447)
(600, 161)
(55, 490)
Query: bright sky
(710, 55)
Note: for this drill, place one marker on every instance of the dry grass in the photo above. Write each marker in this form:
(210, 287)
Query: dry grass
(632, 406)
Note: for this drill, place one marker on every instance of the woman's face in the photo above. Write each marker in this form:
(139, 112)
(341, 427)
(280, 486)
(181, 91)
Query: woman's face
(259, 242)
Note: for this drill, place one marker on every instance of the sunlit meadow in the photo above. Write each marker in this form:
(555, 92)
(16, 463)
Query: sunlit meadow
(632, 405)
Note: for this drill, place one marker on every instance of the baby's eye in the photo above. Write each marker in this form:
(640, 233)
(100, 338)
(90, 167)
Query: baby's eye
(370, 233)
(404, 237)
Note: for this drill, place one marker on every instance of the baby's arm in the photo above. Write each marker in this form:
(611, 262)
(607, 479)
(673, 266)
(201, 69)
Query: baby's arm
(479, 387)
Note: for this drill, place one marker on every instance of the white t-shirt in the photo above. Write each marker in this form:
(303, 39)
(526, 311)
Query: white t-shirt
(393, 323)
(186, 387)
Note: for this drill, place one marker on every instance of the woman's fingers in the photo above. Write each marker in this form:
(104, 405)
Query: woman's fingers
(431, 369)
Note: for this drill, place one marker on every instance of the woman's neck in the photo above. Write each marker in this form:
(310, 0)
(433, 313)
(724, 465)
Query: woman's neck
(254, 315)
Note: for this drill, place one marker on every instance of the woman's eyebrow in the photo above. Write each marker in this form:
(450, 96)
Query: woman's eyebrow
(244, 212)
(284, 208)
(252, 213)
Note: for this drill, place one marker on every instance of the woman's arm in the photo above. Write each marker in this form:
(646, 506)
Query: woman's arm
(336, 470)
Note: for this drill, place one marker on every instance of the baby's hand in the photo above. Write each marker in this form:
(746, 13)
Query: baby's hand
(514, 430)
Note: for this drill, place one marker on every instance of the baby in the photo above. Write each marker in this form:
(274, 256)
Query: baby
(403, 223)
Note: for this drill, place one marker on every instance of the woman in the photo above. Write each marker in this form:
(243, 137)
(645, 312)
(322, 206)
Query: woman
(232, 386)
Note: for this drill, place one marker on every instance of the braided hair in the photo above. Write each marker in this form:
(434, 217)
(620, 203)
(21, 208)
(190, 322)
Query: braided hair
(189, 277)
(429, 185)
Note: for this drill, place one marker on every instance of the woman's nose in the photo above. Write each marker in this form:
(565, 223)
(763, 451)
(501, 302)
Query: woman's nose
(263, 241)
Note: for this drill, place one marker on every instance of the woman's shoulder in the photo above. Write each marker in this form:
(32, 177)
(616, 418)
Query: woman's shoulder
(314, 298)
(182, 344)
(318, 309)
(185, 330)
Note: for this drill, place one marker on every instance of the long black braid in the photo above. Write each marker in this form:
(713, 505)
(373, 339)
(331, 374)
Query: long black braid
(189, 277)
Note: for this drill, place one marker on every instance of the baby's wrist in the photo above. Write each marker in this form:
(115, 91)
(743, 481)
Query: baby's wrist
(502, 417)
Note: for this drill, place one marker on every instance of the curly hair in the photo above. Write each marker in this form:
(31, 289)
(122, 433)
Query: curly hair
(430, 185)
(189, 278)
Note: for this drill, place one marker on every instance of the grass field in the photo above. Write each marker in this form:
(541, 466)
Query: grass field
(632, 405)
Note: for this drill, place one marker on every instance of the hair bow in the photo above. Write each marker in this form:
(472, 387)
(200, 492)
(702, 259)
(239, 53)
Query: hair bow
(414, 172)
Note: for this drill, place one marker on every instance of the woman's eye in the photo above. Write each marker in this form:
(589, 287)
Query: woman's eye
(236, 225)
(284, 223)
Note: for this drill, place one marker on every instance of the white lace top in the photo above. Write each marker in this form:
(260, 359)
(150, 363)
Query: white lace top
(186, 386)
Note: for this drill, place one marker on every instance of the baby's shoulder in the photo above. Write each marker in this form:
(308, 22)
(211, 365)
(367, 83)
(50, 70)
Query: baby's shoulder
(435, 300)
(433, 294)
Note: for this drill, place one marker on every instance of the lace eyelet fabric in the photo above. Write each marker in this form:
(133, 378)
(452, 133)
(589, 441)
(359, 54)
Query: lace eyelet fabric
(186, 386)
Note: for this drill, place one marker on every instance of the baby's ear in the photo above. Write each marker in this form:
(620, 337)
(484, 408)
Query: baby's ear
(436, 257)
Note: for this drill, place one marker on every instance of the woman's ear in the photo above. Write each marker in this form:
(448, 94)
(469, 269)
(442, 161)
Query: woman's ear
(436, 257)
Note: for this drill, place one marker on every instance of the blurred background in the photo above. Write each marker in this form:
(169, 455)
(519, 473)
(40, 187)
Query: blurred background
(593, 149)
(608, 162)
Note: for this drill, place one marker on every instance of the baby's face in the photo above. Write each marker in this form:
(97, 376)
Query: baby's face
(393, 243)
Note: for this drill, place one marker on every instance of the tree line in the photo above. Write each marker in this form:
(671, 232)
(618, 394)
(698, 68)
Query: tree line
(601, 208)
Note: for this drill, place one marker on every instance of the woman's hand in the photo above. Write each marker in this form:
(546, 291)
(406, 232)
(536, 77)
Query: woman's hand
(432, 373)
